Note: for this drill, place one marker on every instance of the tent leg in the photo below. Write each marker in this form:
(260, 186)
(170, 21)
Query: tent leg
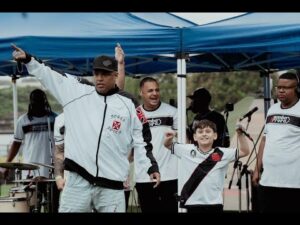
(267, 91)
(181, 102)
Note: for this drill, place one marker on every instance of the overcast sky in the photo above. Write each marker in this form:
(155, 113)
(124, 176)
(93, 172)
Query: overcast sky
(202, 18)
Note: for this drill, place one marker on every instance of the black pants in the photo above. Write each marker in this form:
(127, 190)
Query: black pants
(127, 194)
(273, 199)
(160, 199)
(218, 208)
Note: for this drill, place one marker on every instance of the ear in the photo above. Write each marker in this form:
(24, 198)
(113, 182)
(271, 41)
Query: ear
(141, 92)
(215, 135)
(194, 137)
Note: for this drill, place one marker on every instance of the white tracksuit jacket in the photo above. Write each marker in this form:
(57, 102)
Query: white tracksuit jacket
(101, 129)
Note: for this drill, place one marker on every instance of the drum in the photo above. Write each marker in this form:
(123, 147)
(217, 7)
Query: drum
(14, 204)
(29, 194)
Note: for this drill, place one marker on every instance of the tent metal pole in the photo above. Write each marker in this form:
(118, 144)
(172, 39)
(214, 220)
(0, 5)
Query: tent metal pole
(267, 91)
(181, 109)
(181, 99)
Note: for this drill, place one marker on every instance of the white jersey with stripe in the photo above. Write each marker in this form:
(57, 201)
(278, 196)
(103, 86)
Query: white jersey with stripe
(35, 142)
(160, 120)
(59, 129)
(281, 157)
(210, 190)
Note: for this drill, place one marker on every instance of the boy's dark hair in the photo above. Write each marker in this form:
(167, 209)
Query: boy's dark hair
(147, 79)
(202, 124)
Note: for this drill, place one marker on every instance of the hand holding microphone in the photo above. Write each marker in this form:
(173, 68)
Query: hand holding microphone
(240, 130)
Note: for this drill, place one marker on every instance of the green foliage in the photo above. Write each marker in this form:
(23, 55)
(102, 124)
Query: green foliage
(6, 103)
(224, 87)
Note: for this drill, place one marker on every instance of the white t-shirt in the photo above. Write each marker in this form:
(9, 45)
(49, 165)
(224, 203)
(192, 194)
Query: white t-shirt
(210, 189)
(160, 120)
(281, 157)
(35, 142)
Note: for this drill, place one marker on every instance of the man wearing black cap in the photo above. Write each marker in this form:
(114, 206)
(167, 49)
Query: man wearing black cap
(102, 126)
(200, 105)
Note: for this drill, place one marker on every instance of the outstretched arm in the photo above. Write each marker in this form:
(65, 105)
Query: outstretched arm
(13, 151)
(244, 147)
(120, 57)
(59, 155)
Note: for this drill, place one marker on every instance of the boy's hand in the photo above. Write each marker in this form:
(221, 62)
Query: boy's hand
(169, 135)
(239, 128)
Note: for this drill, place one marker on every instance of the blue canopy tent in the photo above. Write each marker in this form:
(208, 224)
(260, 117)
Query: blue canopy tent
(253, 41)
(265, 42)
(70, 41)
(155, 43)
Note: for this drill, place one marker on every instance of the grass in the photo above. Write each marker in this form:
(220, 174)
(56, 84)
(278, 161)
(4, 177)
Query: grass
(4, 189)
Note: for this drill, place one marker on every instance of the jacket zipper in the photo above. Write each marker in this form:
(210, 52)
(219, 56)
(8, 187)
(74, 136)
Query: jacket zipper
(98, 146)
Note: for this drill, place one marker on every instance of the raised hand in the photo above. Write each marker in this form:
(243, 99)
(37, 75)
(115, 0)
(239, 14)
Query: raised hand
(18, 53)
(119, 54)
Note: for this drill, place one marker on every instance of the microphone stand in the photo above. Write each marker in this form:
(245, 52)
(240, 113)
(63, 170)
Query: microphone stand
(49, 194)
(245, 170)
(237, 164)
(224, 129)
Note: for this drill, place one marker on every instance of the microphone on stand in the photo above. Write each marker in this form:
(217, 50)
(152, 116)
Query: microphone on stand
(248, 114)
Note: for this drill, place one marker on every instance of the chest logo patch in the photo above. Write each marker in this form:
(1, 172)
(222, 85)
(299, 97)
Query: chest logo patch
(116, 125)
(215, 157)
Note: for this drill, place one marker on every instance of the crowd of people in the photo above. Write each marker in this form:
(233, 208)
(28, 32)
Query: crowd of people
(92, 149)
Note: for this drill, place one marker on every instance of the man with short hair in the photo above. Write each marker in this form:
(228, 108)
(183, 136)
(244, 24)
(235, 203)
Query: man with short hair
(278, 158)
(102, 126)
(161, 117)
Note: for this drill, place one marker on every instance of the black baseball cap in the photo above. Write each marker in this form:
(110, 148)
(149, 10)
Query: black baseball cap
(201, 93)
(104, 62)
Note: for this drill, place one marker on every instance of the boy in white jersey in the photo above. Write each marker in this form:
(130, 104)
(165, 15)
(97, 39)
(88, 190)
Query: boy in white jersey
(203, 168)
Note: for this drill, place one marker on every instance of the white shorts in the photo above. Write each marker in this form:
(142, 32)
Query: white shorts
(79, 195)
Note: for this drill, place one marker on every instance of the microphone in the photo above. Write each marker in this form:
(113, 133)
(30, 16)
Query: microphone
(248, 114)
(245, 133)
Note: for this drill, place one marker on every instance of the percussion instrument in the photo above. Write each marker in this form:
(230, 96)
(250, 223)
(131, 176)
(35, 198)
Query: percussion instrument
(19, 166)
(14, 204)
